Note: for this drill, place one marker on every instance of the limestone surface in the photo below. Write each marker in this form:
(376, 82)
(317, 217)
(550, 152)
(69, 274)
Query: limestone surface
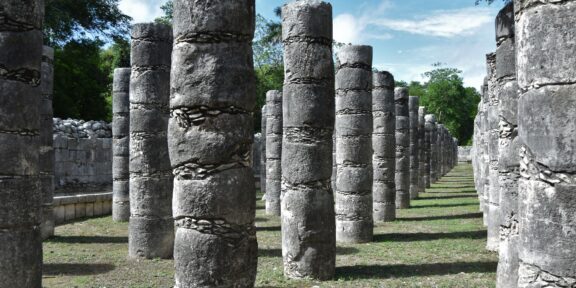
(121, 145)
(273, 151)
(210, 138)
(20, 99)
(151, 228)
(413, 106)
(384, 146)
(308, 217)
(353, 195)
(402, 177)
(47, 161)
(422, 179)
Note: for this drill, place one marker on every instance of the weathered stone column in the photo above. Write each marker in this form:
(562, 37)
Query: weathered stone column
(263, 120)
(431, 128)
(422, 150)
(484, 159)
(308, 218)
(47, 142)
(384, 146)
(546, 67)
(210, 136)
(413, 106)
(440, 154)
(402, 148)
(509, 148)
(151, 228)
(121, 145)
(354, 221)
(427, 150)
(493, 188)
(273, 151)
(20, 98)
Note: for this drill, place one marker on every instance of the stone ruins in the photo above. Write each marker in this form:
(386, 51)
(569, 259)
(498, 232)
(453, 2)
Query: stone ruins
(151, 230)
(341, 148)
(523, 145)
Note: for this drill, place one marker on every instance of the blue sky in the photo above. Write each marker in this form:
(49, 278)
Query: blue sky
(408, 36)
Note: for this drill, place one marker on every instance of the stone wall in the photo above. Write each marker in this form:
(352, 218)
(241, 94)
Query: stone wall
(71, 207)
(83, 153)
(464, 153)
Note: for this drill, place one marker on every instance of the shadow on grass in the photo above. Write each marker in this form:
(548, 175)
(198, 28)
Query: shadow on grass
(402, 270)
(465, 191)
(444, 205)
(278, 252)
(88, 239)
(268, 229)
(413, 237)
(443, 217)
(449, 196)
(261, 219)
(76, 269)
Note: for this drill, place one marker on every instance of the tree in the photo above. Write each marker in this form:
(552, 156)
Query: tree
(67, 20)
(80, 85)
(168, 9)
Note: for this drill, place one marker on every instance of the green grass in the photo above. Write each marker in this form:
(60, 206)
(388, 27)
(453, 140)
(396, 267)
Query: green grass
(437, 243)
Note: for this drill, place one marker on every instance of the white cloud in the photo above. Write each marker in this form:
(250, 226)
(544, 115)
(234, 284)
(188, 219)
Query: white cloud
(347, 29)
(441, 23)
(142, 10)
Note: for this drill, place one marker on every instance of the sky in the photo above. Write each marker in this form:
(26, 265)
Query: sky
(408, 36)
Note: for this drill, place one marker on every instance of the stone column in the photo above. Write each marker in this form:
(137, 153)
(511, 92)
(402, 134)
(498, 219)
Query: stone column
(121, 145)
(210, 137)
(308, 218)
(20, 98)
(354, 221)
(273, 151)
(47, 143)
(492, 134)
(262, 159)
(508, 160)
(440, 154)
(427, 150)
(431, 128)
(413, 106)
(422, 150)
(151, 230)
(484, 159)
(402, 148)
(384, 146)
(546, 69)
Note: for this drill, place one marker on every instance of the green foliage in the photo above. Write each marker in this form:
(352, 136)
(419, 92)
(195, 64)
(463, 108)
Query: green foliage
(67, 20)
(445, 96)
(80, 85)
(168, 9)
(116, 56)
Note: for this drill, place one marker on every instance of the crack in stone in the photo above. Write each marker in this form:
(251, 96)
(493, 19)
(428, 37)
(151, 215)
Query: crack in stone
(348, 111)
(28, 76)
(346, 217)
(506, 130)
(23, 132)
(362, 66)
(198, 171)
(232, 233)
(530, 169)
(161, 107)
(309, 40)
(11, 25)
(538, 86)
(140, 70)
(307, 135)
(321, 184)
(537, 277)
(213, 37)
(310, 81)
(187, 117)
(157, 174)
(139, 136)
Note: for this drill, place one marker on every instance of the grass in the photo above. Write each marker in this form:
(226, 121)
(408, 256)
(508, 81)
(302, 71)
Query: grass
(437, 243)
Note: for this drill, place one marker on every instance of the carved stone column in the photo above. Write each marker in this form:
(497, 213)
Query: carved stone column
(546, 69)
(413, 106)
(402, 148)
(353, 195)
(121, 145)
(273, 152)
(20, 98)
(151, 228)
(308, 218)
(47, 142)
(210, 137)
(384, 146)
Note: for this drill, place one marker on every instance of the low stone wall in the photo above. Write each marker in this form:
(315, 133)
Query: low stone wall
(71, 207)
(83, 156)
(465, 154)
